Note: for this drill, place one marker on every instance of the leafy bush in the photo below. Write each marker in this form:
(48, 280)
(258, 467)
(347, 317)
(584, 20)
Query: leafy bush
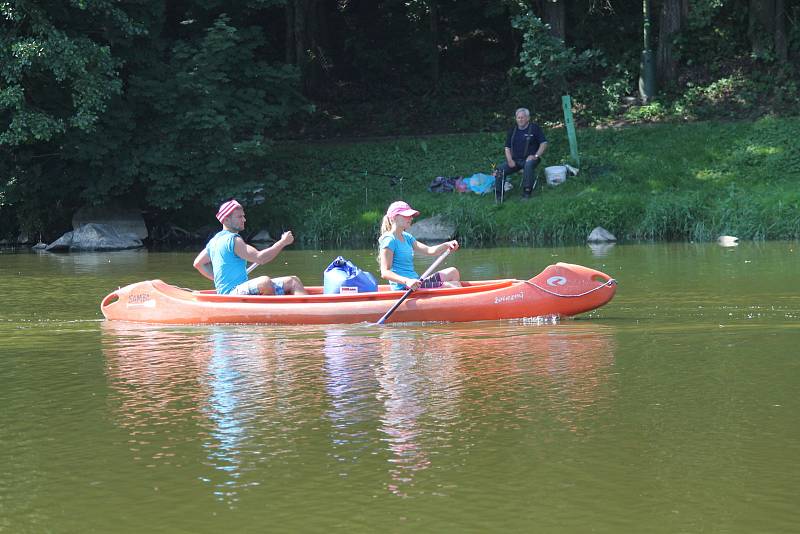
(546, 61)
(651, 112)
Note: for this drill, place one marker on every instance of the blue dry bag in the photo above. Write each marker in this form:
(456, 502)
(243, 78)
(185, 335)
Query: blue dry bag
(480, 183)
(342, 273)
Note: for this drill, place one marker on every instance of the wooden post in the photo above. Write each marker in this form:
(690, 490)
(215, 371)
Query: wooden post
(569, 123)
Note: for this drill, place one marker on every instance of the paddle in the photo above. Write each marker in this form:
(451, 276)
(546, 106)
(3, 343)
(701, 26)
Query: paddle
(426, 274)
(250, 269)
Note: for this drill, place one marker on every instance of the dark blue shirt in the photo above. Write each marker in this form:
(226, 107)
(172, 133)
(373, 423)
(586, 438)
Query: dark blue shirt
(517, 138)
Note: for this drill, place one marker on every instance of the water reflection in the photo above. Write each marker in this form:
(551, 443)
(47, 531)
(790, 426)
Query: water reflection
(93, 263)
(438, 387)
(406, 401)
(409, 394)
(601, 250)
(233, 379)
(233, 392)
(350, 384)
(560, 373)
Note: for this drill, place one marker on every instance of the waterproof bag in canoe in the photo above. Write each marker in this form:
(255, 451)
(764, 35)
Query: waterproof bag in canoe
(343, 276)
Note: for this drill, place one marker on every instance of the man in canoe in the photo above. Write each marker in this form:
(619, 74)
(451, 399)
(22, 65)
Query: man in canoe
(224, 260)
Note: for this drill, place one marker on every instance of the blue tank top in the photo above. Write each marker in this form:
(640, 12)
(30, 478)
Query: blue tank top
(403, 260)
(229, 269)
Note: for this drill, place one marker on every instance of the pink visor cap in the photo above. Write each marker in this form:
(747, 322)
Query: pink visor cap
(226, 209)
(401, 208)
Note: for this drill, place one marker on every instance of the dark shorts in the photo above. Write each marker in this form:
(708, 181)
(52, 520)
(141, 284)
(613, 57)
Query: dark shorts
(432, 282)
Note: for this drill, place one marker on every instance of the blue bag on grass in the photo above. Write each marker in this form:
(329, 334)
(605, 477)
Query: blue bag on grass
(480, 183)
(342, 273)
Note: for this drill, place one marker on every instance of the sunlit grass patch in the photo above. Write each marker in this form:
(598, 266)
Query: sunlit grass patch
(664, 181)
(715, 176)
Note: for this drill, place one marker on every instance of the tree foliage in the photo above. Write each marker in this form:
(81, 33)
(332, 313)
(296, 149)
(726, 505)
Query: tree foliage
(546, 60)
(172, 104)
(56, 77)
(140, 102)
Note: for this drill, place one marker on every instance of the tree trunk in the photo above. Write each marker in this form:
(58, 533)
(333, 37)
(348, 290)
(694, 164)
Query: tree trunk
(299, 32)
(781, 41)
(761, 27)
(555, 16)
(308, 32)
(291, 57)
(434, 38)
(669, 25)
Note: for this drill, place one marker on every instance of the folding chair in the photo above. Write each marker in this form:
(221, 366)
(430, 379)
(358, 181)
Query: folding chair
(521, 180)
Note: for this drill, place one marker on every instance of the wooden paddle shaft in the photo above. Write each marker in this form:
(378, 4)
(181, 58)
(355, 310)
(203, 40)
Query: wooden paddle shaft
(425, 275)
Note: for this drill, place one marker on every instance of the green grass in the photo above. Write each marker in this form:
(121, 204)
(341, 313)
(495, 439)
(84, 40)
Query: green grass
(690, 181)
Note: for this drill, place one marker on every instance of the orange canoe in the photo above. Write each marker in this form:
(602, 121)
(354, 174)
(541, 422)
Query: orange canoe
(562, 290)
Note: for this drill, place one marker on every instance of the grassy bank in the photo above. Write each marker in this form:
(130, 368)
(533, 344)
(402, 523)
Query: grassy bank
(661, 182)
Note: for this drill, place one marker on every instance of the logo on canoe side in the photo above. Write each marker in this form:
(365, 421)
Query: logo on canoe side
(141, 299)
(509, 298)
(554, 281)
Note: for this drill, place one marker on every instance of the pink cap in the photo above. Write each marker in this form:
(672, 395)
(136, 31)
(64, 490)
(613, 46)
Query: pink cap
(226, 209)
(401, 208)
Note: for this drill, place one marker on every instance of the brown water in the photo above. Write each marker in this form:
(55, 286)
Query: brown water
(672, 409)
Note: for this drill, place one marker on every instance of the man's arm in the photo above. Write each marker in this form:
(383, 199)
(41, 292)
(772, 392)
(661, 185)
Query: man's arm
(253, 255)
(541, 139)
(203, 264)
(541, 150)
(508, 148)
(509, 159)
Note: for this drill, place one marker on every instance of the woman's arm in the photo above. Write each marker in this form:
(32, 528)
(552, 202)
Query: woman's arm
(422, 248)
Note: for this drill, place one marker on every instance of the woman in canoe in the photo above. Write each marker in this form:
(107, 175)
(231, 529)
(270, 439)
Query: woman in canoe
(397, 247)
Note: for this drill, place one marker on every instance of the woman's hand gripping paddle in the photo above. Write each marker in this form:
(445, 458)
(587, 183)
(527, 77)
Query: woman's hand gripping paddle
(425, 275)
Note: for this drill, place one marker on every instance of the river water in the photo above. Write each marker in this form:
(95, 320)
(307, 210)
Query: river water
(672, 409)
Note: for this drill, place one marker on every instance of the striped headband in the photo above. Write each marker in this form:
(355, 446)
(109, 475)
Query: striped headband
(226, 209)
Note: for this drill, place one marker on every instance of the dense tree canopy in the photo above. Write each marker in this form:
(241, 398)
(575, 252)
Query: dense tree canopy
(164, 104)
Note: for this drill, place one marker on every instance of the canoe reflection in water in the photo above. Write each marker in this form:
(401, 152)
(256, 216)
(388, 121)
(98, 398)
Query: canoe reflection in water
(292, 408)
(439, 389)
(387, 392)
(224, 399)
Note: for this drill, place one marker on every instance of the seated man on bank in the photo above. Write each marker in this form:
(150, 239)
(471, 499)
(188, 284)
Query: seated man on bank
(224, 260)
(525, 145)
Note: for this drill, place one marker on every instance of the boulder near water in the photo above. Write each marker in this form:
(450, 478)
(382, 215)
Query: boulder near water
(434, 229)
(262, 236)
(93, 236)
(601, 235)
(123, 220)
(103, 228)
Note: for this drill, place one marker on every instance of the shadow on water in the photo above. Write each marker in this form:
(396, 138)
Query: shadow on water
(351, 401)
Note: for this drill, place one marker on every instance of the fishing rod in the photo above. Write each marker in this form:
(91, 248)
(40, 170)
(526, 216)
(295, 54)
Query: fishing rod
(394, 179)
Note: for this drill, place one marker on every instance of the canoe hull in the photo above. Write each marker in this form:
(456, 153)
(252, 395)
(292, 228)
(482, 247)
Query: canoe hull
(562, 289)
